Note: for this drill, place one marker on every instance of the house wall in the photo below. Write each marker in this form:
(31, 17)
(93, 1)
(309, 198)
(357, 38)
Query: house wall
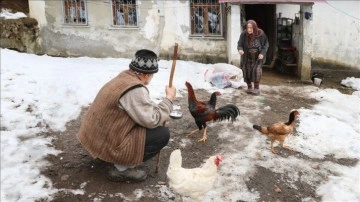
(37, 11)
(161, 25)
(234, 31)
(98, 38)
(305, 44)
(177, 30)
(336, 31)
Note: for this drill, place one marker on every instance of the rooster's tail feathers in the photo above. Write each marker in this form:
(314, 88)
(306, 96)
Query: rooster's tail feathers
(261, 129)
(228, 111)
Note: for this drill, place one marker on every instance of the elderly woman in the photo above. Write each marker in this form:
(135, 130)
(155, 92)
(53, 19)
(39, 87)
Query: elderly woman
(252, 46)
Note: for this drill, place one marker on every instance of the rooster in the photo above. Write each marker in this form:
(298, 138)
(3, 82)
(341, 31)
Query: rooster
(279, 131)
(206, 111)
(192, 182)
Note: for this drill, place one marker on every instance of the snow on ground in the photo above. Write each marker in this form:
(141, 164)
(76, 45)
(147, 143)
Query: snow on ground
(41, 91)
(7, 14)
(351, 82)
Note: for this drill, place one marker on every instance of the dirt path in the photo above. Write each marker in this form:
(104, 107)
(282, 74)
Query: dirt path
(74, 169)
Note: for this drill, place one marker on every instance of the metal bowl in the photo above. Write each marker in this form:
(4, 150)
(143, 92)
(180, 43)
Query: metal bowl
(176, 115)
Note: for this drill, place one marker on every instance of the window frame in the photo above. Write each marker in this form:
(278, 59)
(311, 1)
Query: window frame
(66, 13)
(126, 18)
(205, 9)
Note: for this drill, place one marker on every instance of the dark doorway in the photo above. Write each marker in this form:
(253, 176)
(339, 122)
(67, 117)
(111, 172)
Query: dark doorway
(265, 17)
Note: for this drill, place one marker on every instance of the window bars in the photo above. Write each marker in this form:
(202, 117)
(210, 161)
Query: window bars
(205, 18)
(124, 13)
(75, 12)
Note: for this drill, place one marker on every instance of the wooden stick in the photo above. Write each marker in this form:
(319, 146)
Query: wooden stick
(170, 85)
(173, 64)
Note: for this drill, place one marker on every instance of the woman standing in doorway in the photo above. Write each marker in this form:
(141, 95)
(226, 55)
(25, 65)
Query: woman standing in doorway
(252, 46)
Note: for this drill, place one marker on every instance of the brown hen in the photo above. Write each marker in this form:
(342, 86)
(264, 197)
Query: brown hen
(279, 131)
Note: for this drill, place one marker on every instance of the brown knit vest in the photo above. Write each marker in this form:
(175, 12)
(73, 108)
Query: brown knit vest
(107, 132)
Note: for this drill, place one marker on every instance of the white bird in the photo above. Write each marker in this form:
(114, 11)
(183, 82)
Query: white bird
(192, 182)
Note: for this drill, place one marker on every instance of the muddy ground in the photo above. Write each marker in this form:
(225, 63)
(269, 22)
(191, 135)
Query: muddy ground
(75, 169)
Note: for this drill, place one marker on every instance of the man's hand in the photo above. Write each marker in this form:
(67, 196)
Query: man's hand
(170, 93)
(260, 57)
(241, 52)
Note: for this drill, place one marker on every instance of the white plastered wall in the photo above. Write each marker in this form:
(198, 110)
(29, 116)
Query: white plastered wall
(161, 25)
(336, 36)
(37, 11)
(336, 31)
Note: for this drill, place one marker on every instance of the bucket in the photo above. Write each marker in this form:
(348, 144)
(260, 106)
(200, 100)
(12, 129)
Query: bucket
(317, 78)
(317, 81)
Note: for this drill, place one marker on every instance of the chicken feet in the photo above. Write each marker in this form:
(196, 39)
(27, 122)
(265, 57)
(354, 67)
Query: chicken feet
(204, 137)
(272, 148)
(282, 146)
(192, 132)
(285, 147)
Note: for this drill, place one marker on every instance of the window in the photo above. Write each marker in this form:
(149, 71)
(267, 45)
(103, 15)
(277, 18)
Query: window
(124, 13)
(75, 12)
(205, 18)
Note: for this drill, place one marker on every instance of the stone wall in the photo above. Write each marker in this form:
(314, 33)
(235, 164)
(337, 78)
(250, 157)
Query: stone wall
(20, 34)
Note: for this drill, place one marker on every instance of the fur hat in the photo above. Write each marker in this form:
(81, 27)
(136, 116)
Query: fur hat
(145, 61)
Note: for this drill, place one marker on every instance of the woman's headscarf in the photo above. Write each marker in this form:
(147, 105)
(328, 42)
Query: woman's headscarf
(256, 31)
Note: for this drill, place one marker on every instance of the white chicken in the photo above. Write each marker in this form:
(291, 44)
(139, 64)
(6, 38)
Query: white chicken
(192, 182)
